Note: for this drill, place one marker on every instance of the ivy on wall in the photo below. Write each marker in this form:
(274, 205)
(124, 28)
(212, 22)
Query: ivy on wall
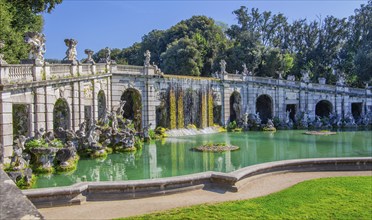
(210, 108)
(172, 109)
(203, 109)
(180, 115)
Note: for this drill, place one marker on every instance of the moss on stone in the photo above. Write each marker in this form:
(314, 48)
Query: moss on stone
(172, 109)
(210, 108)
(180, 116)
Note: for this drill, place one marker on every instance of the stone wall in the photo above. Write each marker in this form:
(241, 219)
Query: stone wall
(39, 87)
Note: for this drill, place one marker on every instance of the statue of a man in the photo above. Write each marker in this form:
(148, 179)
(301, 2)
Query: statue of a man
(245, 70)
(37, 42)
(147, 56)
(223, 66)
(71, 52)
(2, 61)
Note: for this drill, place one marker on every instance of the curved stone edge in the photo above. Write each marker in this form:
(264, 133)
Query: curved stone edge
(13, 204)
(118, 190)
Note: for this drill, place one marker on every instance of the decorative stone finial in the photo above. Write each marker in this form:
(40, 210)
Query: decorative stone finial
(2, 61)
(71, 52)
(89, 53)
(322, 80)
(223, 67)
(147, 56)
(37, 42)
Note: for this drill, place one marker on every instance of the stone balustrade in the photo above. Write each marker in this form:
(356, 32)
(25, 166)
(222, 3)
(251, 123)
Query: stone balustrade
(23, 73)
(16, 73)
(129, 69)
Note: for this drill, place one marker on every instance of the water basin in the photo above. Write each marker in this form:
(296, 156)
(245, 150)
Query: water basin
(174, 157)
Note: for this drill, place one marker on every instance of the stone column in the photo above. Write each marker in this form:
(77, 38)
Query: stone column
(39, 109)
(6, 126)
(49, 106)
(150, 104)
(280, 102)
(81, 101)
(225, 104)
(95, 100)
(75, 104)
(251, 102)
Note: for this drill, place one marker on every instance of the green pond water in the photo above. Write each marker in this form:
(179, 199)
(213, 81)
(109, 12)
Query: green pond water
(173, 157)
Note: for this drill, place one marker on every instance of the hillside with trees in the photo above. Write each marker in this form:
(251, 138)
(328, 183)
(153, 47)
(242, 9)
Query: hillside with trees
(267, 43)
(18, 17)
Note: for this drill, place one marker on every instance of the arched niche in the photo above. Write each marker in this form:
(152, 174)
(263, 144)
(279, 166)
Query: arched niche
(264, 106)
(323, 108)
(101, 104)
(61, 114)
(133, 107)
(235, 106)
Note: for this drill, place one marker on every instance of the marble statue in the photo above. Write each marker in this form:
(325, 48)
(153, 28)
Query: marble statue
(147, 56)
(245, 70)
(71, 52)
(305, 76)
(37, 42)
(2, 45)
(222, 67)
(341, 80)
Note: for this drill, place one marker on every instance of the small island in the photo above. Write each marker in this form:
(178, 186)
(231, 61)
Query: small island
(323, 132)
(215, 147)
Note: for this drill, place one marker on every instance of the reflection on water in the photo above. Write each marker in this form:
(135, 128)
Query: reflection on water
(173, 157)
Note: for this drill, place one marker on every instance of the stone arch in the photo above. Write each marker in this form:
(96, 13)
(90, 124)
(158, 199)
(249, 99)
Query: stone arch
(101, 104)
(264, 106)
(323, 108)
(235, 106)
(133, 107)
(61, 114)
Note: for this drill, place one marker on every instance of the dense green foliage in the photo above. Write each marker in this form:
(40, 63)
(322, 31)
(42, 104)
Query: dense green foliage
(267, 43)
(18, 17)
(328, 198)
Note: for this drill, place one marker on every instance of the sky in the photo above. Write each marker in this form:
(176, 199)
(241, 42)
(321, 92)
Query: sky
(97, 24)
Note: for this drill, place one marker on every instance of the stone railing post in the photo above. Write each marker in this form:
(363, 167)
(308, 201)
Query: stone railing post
(46, 73)
(37, 72)
(4, 74)
(74, 69)
(93, 69)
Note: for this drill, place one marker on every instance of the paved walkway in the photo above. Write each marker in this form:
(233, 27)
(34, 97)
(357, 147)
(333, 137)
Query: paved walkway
(256, 186)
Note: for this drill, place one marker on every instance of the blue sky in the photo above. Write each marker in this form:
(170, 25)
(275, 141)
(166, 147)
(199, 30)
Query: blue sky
(96, 24)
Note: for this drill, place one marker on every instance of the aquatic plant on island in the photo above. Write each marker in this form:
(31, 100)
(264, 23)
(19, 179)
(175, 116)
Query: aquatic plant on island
(215, 147)
(321, 132)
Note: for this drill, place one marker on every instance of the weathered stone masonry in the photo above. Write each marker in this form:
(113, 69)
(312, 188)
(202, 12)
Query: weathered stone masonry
(38, 88)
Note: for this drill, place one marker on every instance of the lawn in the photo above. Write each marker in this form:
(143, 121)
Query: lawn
(327, 198)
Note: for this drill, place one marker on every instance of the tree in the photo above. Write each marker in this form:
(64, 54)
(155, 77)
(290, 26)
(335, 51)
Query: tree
(18, 17)
(182, 57)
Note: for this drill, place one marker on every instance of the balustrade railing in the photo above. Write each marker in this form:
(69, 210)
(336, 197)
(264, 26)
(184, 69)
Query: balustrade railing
(20, 73)
(86, 69)
(129, 69)
(101, 68)
(60, 70)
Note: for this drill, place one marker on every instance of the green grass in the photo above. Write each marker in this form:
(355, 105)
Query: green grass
(327, 198)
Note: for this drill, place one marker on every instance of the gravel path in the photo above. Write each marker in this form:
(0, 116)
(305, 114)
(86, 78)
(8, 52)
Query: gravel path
(256, 186)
